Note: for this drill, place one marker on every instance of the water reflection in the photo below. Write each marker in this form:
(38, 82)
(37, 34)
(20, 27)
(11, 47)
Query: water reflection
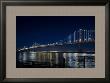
(55, 60)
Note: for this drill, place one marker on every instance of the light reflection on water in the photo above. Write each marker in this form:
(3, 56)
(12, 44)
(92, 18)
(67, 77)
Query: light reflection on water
(58, 59)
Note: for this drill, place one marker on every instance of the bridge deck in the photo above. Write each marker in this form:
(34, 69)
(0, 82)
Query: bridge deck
(79, 47)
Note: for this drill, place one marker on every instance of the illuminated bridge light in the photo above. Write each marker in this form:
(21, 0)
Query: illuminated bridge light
(42, 45)
(36, 46)
(26, 48)
(56, 43)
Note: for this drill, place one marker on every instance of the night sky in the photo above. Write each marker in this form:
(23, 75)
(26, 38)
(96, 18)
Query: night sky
(49, 29)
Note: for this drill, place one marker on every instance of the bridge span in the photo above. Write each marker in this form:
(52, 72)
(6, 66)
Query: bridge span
(88, 47)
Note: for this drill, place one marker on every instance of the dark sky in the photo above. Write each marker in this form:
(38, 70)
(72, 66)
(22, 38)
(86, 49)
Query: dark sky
(48, 29)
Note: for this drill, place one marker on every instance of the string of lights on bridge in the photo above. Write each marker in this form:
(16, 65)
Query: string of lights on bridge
(78, 36)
